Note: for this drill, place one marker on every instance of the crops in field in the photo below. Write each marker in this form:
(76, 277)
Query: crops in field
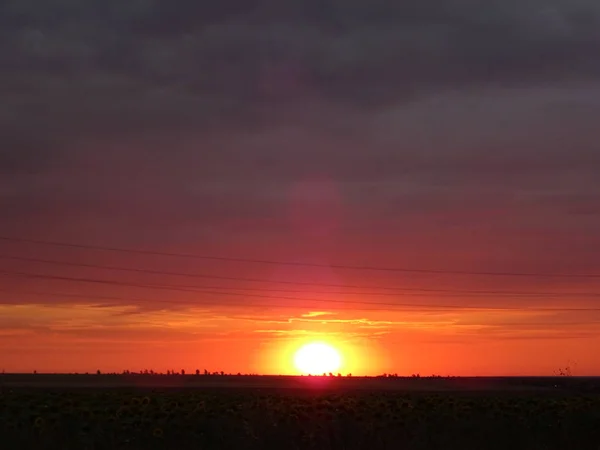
(182, 419)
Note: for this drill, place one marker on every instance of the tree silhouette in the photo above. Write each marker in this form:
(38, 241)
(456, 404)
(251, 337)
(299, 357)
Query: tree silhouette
(566, 372)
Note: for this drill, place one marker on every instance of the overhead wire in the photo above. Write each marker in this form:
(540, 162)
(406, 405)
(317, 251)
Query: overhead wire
(213, 290)
(303, 299)
(293, 263)
(399, 290)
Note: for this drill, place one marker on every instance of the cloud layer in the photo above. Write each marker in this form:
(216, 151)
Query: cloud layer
(107, 66)
(434, 134)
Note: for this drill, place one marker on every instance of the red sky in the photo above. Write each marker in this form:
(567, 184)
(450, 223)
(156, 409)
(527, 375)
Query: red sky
(454, 138)
(422, 323)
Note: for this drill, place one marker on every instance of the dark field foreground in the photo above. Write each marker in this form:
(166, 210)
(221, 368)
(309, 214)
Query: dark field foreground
(251, 413)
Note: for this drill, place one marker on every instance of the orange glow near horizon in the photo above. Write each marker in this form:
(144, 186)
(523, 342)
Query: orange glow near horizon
(452, 234)
(356, 355)
(80, 338)
(317, 358)
(84, 338)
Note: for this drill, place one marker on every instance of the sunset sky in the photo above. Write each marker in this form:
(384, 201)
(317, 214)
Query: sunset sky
(456, 142)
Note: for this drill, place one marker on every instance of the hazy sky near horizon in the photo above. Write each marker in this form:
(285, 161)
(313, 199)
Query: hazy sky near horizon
(446, 135)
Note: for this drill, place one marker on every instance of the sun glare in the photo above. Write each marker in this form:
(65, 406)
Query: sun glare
(317, 358)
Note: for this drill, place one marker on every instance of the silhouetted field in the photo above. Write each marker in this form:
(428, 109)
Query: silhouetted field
(275, 383)
(252, 412)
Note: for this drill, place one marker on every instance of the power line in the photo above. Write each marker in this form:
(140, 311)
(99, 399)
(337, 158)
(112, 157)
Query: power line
(202, 302)
(199, 302)
(196, 291)
(245, 295)
(268, 306)
(291, 263)
(204, 276)
(398, 290)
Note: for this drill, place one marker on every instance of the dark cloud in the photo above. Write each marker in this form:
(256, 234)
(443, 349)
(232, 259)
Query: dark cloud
(158, 121)
(154, 62)
(27, 149)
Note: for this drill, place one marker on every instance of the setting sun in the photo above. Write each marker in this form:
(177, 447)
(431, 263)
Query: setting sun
(317, 358)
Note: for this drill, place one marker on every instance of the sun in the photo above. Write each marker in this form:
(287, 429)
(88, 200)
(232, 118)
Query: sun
(317, 358)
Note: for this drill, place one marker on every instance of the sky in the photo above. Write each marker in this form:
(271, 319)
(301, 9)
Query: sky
(458, 137)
